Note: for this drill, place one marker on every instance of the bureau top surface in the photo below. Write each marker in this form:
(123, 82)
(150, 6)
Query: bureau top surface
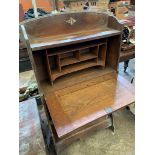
(63, 29)
(78, 105)
(43, 42)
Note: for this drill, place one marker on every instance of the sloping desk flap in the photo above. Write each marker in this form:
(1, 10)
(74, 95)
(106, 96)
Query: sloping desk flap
(78, 105)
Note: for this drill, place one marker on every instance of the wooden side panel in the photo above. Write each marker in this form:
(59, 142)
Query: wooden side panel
(40, 63)
(114, 43)
(113, 51)
(114, 23)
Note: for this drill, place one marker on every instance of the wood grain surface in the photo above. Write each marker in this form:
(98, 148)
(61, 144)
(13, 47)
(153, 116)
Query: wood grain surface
(87, 26)
(75, 106)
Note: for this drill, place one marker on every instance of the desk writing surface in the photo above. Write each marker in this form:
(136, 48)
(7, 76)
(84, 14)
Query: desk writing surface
(75, 106)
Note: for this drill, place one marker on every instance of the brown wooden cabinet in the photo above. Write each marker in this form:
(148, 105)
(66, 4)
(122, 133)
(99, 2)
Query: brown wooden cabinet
(78, 53)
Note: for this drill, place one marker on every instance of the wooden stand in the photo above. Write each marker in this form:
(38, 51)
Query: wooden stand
(81, 64)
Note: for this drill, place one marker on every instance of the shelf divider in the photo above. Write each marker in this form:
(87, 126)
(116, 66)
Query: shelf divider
(77, 54)
(48, 67)
(68, 61)
(102, 53)
(58, 62)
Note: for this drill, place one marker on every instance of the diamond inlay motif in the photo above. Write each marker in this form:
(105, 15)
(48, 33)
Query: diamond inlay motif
(71, 21)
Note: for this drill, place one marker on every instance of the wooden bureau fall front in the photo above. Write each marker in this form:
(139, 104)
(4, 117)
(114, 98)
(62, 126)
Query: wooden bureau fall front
(75, 58)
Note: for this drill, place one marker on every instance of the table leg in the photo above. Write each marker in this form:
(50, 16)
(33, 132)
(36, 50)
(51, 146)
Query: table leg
(113, 125)
(132, 80)
(126, 63)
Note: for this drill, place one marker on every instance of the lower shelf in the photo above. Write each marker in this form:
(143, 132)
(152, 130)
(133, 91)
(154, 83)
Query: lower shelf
(73, 68)
(87, 56)
(68, 61)
(76, 67)
(101, 62)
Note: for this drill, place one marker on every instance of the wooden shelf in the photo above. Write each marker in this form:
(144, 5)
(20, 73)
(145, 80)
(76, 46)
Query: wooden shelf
(101, 62)
(71, 48)
(68, 61)
(72, 68)
(87, 56)
(72, 60)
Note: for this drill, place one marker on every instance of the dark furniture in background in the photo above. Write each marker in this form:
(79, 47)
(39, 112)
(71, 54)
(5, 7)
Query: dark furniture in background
(125, 57)
(129, 53)
(132, 2)
(24, 61)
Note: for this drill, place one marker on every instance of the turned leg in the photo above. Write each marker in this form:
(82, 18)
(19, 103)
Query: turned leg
(126, 65)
